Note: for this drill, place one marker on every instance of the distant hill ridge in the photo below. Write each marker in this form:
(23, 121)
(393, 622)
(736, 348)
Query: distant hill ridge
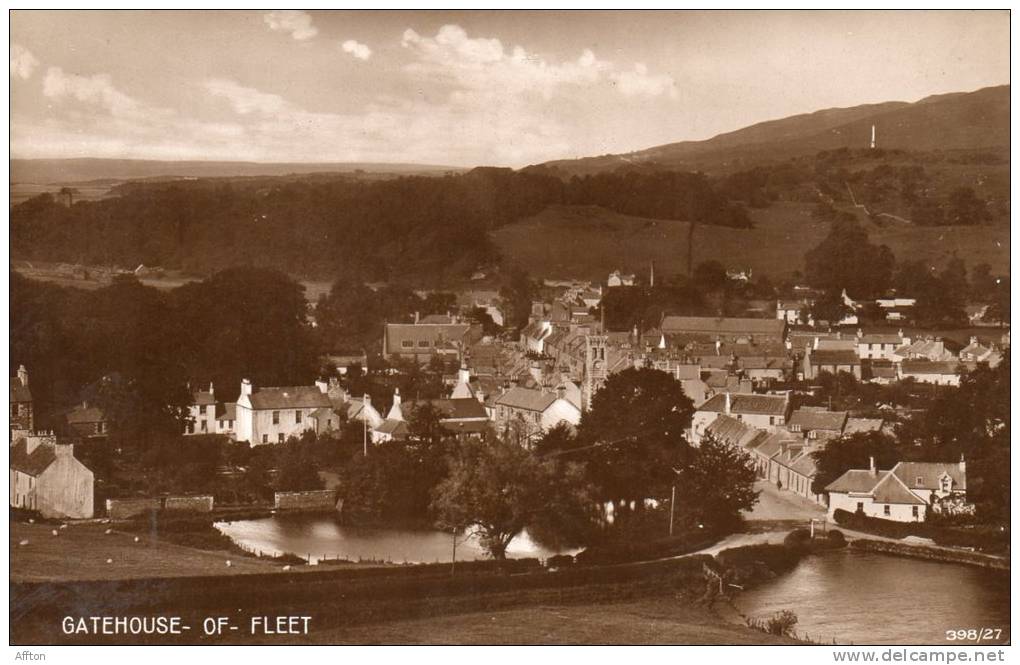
(48, 171)
(953, 121)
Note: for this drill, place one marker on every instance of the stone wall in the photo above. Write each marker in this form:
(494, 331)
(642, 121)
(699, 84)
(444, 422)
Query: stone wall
(195, 504)
(311, 500)
(119, 509)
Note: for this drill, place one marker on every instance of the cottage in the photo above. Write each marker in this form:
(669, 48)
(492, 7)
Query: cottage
(617, 279)
(905, 493)
(422, 341)
(815, 422)
(202, 412)
(794, 312)
(226, 416)
(766, 412)
(871, 346)
(529, 412)
(45, 476)
(83, 420)
(939, 373)
(832, 361)
(21, 403)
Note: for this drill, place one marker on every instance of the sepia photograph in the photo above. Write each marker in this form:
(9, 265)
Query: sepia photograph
(510, 328)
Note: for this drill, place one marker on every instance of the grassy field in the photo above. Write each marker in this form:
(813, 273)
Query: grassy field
(590, 242)
(656, 620)
(80, 552)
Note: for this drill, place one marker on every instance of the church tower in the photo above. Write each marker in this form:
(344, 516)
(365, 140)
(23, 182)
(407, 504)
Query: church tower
(595, 368)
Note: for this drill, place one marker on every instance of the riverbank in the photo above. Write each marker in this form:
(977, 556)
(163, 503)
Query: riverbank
(932, 553)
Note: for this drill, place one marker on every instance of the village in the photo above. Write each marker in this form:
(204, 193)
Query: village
(750, 380)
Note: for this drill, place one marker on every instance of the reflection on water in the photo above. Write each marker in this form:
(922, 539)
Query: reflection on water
(865, 598)
(324, 537)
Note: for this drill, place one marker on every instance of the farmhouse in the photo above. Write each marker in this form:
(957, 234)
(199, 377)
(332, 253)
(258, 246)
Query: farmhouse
(270, 415)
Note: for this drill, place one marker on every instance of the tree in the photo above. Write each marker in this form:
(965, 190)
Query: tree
(710, 276)
(517, 294)
(830, 307)
(298, 470)
(852, 452)
(716, 484)
(499, 488)
(965, 207)
(835, 264)
(633, 435)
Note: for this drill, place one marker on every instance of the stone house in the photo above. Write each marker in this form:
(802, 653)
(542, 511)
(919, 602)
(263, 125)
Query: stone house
(45, 476)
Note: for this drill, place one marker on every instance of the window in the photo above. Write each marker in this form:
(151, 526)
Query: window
(276, 417)
(424, 343)
(205, 426)
(279, 437)
(919, 482)
(914, 512)
(297, 417)
(407, 344)
(794, 428)
(772, 420)
(100, 427)
(886, 510)
(860, 506)
(265, 438)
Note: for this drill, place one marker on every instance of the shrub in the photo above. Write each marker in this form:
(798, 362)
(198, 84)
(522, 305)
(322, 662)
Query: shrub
(987, 538)
(781, 623)
(836, 538)
(559, 561)
(798, 538)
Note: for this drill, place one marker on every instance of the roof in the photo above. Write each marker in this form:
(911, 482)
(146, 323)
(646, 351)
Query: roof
(84, 414)
(466, 426)
(436, 334)
(878, 338)
(858, 425)
(202, 398)
(891, 490)
(527, 399)
(810, 419)
(34, 464)
(773, 444)
(436, 318)
(930, 367)
(768, 405)
(322, 413)
(682, 372)
(226, 411)
(722, 326)
(19, 391)
(929, 473)
(857, 481)
(834, 357)
(395, 428)
(288, 397)
(460, 408)
(735, 433)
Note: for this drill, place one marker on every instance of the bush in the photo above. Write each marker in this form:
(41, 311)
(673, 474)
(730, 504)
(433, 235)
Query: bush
(798, 538)
(836, 538)
(559, 561)
(987, 538)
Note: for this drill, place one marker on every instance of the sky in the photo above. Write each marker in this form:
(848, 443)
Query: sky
(462, 88)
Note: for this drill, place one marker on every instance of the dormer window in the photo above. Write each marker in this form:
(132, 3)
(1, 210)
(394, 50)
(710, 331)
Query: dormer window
(946, 483)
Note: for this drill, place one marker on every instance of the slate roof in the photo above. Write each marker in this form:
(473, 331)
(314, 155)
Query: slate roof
(811, 419)
(436, 334)
(891, 490)
(772, 444)
(289, 397)
(857, 481)
(722, 326)
(226, 411)
(84, 414)
(767, 405)
(34, 464)
(930, 366)
(527, 399)
(878, 338)
(834, 357)
(395, 428)
(202, 398)
(19, 391)
(859, 425)
(929, 472)
(735, 433)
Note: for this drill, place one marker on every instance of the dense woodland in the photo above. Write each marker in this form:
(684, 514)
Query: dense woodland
(425, 228)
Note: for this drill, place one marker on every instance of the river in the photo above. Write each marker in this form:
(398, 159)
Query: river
(867, 598)
(318, 537)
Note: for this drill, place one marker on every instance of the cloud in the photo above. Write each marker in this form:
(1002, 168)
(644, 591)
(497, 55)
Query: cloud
(245, 100)
(638, 82)
(96, 90)
(23, 63)
(297, 23)
(357, 49)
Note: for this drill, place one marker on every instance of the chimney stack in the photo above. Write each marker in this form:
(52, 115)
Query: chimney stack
(417, 316)
(211, 391)
(728, 405)
(963, 464)
(246, 387)
(23, 375)
(871, 462)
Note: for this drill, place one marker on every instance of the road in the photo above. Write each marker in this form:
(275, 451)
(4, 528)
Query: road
(777, 505)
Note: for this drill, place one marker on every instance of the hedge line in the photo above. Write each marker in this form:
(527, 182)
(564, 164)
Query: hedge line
(989, 539)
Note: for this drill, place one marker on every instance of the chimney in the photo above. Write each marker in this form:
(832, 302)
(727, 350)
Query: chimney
(871, 463)
(246, 387)
(727, 411)
(417, 316)
(23, 375)
(973, 340)
(815, 345)
(322, 386)
(480, 396)
(963, 464)
(211, 391)
(718, 347)
(860, 333)
(561, 391)
(900, 333)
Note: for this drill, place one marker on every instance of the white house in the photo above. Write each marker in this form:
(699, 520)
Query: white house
(270, 415)
(766, 412)
(45, 476)
(529, 412)
(905, 493)
(877, 346)
(202, 413)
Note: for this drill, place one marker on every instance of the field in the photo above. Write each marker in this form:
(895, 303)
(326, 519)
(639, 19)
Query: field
(590, 242)
(656, 620)
(81, 551)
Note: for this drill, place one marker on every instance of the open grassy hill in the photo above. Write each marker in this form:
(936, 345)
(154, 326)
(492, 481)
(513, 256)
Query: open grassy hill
(590, 242)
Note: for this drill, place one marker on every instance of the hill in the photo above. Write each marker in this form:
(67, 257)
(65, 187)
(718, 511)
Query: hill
(957, 121)
(46, 171)
(589, 242)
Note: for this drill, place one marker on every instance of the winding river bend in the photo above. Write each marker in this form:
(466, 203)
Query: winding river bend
(867, 598)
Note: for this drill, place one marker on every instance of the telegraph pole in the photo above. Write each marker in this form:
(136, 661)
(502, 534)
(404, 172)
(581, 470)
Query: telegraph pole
(672, 505)
(364, 420)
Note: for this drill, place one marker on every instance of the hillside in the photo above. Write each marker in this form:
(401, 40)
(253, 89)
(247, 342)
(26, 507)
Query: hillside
(589, 242)
(958, 121)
